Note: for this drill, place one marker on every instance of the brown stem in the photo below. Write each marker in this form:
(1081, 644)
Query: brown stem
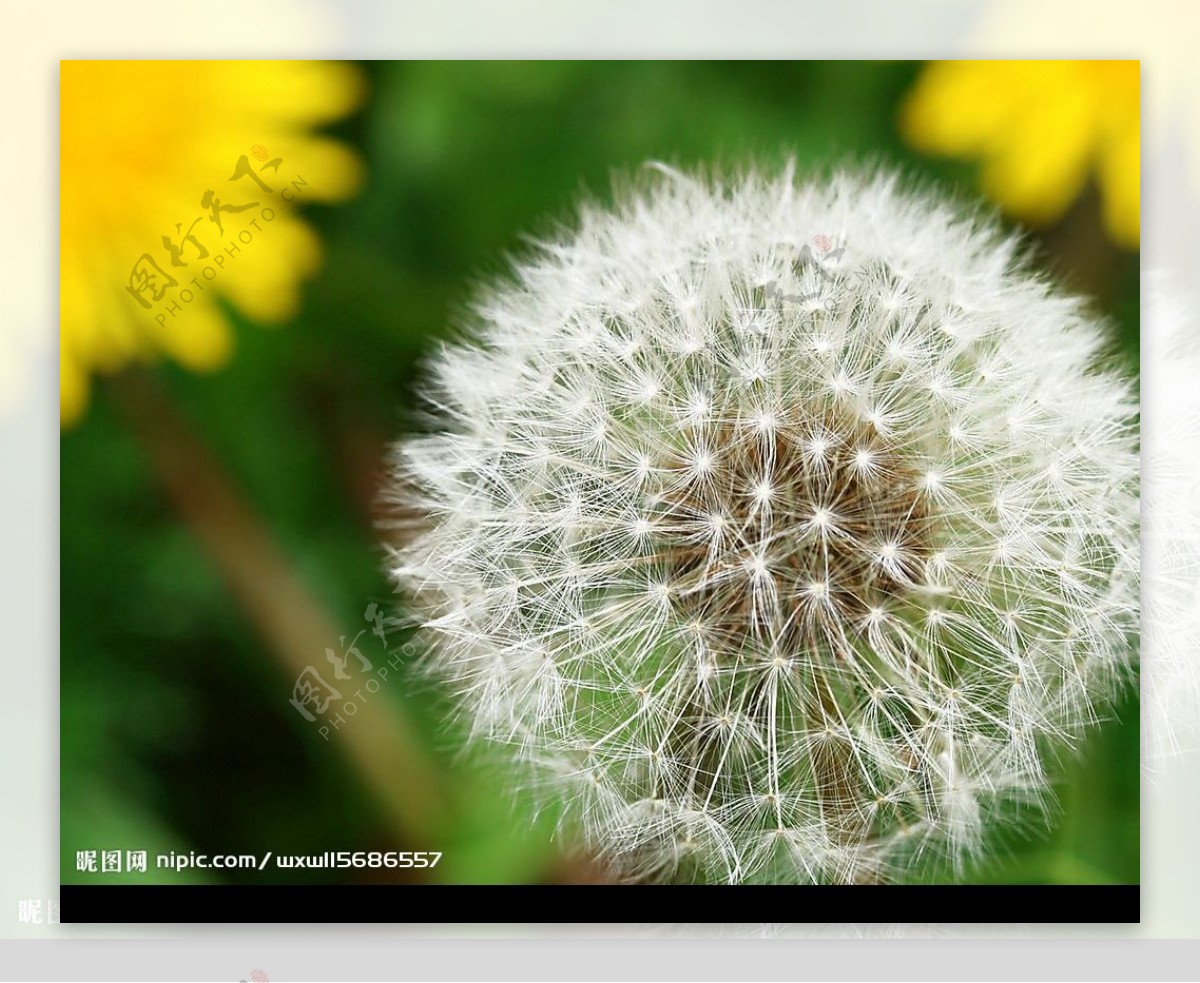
(292, 622)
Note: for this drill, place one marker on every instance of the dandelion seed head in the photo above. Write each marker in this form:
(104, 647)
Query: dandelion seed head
(809, 543)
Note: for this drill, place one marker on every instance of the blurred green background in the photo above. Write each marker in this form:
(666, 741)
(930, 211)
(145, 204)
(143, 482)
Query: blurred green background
(177, 730)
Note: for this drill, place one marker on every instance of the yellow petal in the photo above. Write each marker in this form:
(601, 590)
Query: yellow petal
(72, 392)
(1040, 164)
(1120, 179)
(198, 336)
(956, 106)
(143, 144)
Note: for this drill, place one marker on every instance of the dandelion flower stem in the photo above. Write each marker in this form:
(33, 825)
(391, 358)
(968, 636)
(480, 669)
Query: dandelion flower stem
(291, 620)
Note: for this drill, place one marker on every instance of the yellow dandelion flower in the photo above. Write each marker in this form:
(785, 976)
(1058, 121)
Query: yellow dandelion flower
(1041, 128)
(180, 188)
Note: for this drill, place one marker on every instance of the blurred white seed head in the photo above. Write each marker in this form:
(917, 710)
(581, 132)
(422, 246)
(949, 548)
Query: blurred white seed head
(1171, 524)
(780, 526)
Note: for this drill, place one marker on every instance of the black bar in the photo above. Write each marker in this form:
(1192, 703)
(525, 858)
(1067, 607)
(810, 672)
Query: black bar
(617, 903)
